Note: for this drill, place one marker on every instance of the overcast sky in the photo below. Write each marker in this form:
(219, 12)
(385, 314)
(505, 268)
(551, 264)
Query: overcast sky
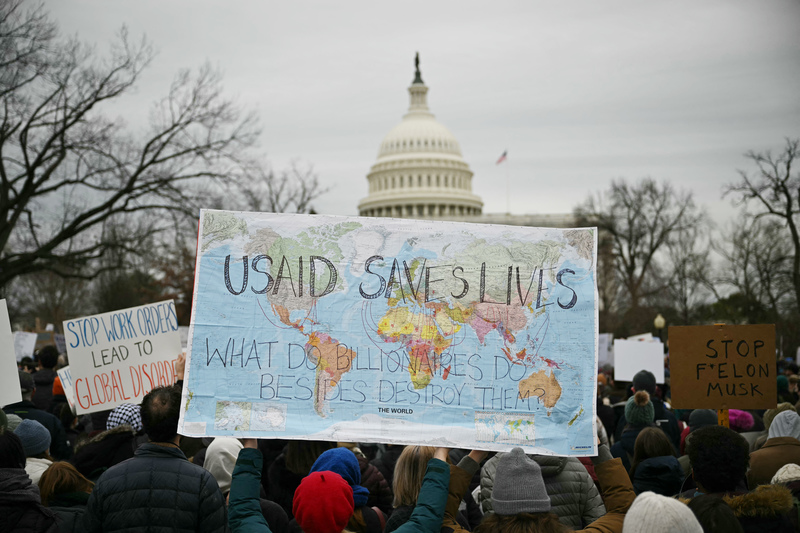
(578, 92)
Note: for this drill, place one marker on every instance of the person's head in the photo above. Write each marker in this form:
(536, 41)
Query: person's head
(714, 515)
(783, 384)
(409, 473)
(785, 424)
(12, 454)
(700, 418)
(343, 462)
(770, 414)
(220, 460)
(651, 442)
(127, 413)
(26, 384)
(519, 486)
(3, 421)
(719, 457)
(323, 503)
(740, 421)
(34, 437)
(60, 478)
(786, 474)
(521, 523)
(646, 381)
(301, 454)
(654, 513)
(13, 422)
(48, 357)
(639, 410)
(160, 412)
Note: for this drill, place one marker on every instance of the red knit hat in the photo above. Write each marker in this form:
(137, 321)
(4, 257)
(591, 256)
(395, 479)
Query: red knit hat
(323, 503)
(58, 389)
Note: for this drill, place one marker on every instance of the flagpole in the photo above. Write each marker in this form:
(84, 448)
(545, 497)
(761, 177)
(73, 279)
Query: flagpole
(508, 193)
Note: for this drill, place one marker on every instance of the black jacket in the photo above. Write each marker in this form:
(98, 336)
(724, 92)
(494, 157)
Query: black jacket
(43, 394)
(664, 419)
(69, 508)
(157, 490)
(21, 510)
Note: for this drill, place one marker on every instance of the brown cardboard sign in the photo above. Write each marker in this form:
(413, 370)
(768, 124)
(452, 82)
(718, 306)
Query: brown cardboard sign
(723, 367)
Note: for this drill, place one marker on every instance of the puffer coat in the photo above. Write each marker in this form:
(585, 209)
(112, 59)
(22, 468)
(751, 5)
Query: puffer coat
(21, 509)
(573, 495)
(157, 490)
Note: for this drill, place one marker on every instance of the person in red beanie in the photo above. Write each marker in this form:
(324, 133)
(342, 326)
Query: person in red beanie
(323, 503)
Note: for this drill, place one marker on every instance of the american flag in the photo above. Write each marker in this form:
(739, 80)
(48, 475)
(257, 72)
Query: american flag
(502, 157)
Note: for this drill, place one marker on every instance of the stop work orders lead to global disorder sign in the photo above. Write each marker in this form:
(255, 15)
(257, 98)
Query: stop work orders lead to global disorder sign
(396, 331)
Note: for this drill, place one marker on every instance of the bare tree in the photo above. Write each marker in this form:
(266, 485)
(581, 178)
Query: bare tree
(688, 270)
(293, 191)
(774, 191)
(758, 263)
(68, 172)
(640, 220)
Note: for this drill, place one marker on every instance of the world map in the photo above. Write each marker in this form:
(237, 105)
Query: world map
(383, 330)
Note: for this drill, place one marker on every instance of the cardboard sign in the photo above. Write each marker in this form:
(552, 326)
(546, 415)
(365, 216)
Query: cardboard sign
(24, 344)
(9, 379)
(723, 367)
(632, 356)
(120, 356)
(65, 376)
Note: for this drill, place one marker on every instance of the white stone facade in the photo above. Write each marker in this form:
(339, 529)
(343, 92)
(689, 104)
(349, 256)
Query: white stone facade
(420, 172)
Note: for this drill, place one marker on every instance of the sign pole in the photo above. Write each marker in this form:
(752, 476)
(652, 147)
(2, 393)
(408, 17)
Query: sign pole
(722, 418)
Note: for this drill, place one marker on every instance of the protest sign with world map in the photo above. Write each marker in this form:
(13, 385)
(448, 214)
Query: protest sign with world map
(394, 331)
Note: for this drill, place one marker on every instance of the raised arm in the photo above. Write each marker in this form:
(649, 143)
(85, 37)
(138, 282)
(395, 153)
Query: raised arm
(244, 509)
(428, 513)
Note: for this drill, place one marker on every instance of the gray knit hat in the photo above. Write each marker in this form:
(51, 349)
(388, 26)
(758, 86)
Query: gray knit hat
(13, 422)
(518, 485)
(34, 436)
(639, 410)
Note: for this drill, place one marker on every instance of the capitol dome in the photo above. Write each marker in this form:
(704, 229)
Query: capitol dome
(420, 172)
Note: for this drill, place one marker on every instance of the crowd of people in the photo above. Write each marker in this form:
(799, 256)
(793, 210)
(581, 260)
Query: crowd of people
(657, 470)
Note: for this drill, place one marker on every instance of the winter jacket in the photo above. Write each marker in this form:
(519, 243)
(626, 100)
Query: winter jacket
(58, 437)
(282, 484)
(386, 461)
(105, 450)
(623, 448)
(767, 509)
(664, 419)
(775, 453)
(157, 490)
(615, 485)
(244, 511)
(35, 467)
(380, 493)
(42, 395)
(429, 510)
(573, 495)
(21, 510)
(69, 508)
(662, 475)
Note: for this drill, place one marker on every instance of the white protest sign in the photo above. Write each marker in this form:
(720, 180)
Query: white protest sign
(61, 343)
(24, 344)
(632, 356)
(65, 376)
(605, 349)
(120, 356)
(9, 380)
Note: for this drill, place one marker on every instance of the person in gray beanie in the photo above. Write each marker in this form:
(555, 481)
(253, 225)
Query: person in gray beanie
(36, 442)
(520, 500)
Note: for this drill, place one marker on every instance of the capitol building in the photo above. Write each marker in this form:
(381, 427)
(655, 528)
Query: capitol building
(420, 173)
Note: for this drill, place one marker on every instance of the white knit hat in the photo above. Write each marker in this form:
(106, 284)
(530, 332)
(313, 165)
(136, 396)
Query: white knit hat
(653, 513)
(786, 474)
(220, 459)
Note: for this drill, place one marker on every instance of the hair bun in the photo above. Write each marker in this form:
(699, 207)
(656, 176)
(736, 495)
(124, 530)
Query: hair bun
(641, 398)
